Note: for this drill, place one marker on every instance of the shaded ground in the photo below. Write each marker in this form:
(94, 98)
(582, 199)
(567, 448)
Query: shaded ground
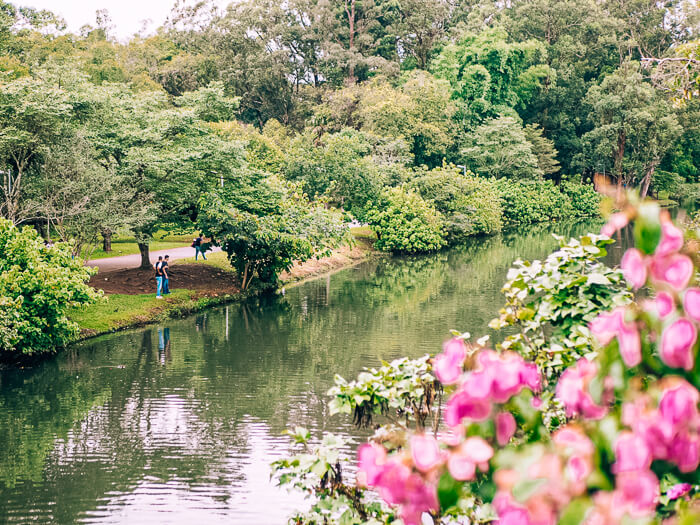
(134, 281)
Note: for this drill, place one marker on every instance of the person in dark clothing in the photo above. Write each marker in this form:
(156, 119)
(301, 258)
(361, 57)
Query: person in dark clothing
(197, 244)
(158, 267)
(166, 275)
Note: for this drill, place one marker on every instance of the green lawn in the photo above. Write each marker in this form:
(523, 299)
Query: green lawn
(121, 310)
(218, 260)
(125, 245)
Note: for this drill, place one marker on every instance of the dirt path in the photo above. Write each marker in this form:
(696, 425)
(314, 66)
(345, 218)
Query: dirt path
(124, 262)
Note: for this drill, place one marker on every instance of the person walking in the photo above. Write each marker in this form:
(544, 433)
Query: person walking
(166, 275)
(197, 244)
(158, 267)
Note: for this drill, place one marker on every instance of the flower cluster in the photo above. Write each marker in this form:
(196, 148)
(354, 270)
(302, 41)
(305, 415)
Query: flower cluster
(409, 477)
(558, 476)
(496, 378)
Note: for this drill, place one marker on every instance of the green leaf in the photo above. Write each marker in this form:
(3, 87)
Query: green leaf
(575, 512)
(647, 228)
(448, 491)
(523, 490)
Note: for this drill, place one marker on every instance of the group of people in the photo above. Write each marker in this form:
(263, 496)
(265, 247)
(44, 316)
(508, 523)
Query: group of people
(162, 276)
(162, 271)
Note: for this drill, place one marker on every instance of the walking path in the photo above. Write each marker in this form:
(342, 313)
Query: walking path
(112, 264)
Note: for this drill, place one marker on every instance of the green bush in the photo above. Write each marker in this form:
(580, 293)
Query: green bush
(583, 197)
(37, 286)
(405, 223)
(528, 202)
(470, 205)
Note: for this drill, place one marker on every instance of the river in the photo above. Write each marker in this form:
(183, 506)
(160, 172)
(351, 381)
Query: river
(178, 423)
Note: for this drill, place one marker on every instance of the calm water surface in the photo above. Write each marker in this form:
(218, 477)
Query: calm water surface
(178, 423)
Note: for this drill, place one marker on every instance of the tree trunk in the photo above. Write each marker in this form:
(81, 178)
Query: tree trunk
(107, 240)
(646, 181)
(145, 256)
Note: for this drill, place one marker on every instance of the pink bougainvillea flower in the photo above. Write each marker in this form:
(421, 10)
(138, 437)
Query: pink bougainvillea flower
(634, 268)
(685, 452)
(631, 453)
(664, 304)
(671, 239)
(607, 325)
(464, 459)
(640, 491)
(425, 452)
(674, 270)
(691, 303)
(616, 222)
(630, 344)
(392, 481)
(680, 403)
(462, 405)
(448, 365)
(371, 458)
(678, 490)
(505, 427)
(418, 497)
(677, 342)
(572, 390)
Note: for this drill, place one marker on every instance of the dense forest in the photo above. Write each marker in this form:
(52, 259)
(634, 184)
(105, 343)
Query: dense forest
(430, 120)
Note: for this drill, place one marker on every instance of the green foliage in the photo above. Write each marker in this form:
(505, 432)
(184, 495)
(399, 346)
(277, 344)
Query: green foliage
(404, 389)
(405, 223)
(267, 229)
(528, 202)
(338, 169)
(585, 201)
(470, 205)
(318, 472)
(500, 148)
(37, 286)
(551, 302)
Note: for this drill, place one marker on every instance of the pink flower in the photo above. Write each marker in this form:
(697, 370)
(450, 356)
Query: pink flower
(607, 325)
(464, 459)
(461, 405)
(371, 458)
(505, 427)
(617, 221)
(664, 304)
(631, 453)
(685, 452)
(678, 490)
(572, 390)
(677, 343)
(691, 303)
(680, 404)
(675, 270)
(425, 452)
(634, 268)
(671, 239)
(630, 344)
(392, 481)
(448, 365)
(640, 491)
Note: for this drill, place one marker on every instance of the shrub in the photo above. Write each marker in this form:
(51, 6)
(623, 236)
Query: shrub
(470, 205)
(528, 202)
(37, 286)
(405, 223)
(585, 201)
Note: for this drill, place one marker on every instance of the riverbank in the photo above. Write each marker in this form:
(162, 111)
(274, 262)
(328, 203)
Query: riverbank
(196, 286)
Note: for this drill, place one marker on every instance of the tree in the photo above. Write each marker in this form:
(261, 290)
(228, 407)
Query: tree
(633, 128)
(33, 115)
(268, 234)
(543, 149)
(499, 148)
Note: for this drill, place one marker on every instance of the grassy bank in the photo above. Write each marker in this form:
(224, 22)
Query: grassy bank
(118, 311)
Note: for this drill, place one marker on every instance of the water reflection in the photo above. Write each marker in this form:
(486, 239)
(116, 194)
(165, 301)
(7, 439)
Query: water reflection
(178, 423)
